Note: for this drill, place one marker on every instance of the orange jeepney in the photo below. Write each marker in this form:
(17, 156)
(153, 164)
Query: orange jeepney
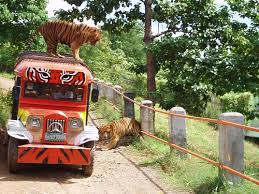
(49, 114)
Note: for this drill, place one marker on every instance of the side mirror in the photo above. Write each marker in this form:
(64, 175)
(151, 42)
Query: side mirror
(95, 95)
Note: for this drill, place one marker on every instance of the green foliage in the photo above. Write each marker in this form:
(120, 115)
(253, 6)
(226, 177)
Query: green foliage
(18, 21)
(238, 102)
(116, 16)
(112, 64)
(133, 47)
(5, 107)
(209, 56)
(213, 109)
(104, 110)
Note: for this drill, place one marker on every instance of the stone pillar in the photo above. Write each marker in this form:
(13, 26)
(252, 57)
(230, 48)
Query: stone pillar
(101, 88)
(177, 129)
(109, 92)
(117, 98)
(231, 147)
(147, 116)
(129, 110)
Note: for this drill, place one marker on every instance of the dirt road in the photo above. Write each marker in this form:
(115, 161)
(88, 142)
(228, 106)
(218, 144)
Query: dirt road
(113, 173)
(6, 83)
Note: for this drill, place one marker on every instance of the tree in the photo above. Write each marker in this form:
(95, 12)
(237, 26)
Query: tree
(202, 51)
(213, 54)
(118, 16)
(18, 21)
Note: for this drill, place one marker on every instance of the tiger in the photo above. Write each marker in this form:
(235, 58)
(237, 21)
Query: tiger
(71, 34)
(118, 129)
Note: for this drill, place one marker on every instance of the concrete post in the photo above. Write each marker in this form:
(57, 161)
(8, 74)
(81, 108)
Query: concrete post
(109, 92)
(147, 116)
(231, 146)
(177, 129)
(129, 110)
(101, 88)
(117, 98)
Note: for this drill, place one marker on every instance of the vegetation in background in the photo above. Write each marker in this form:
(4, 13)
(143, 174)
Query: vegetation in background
(5, 107)
(244, 103)
(238, 102)
(18, 21)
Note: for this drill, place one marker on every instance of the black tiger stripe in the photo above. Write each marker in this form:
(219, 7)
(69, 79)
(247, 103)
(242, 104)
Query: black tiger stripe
(83, 155)
(41, 153)
(24, 152)
(45, 160)
(65, 154)
(63, 34)
(60, 161)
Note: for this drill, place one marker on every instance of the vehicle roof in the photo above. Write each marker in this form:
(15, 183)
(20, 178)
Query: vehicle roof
(42, 60)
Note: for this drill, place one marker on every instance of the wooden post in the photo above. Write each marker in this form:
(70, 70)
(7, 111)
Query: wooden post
(231, 147)
(129, 109)
(147, 116)
(117, 98)
(177, 129)
(101, 88)
(109, 92)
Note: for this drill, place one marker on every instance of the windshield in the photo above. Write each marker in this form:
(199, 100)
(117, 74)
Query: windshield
(54, 91)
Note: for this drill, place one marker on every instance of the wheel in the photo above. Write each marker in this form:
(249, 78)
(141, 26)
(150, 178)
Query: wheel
(88, 169)
(12, 155)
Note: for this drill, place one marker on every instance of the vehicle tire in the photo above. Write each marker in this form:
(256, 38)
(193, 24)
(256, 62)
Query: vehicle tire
(88, 169)
(12, 155)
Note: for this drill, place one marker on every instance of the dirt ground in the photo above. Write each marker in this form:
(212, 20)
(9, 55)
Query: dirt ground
(114, 173)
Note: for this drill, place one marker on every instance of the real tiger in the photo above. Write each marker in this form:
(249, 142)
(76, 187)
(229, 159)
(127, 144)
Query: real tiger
(71, 34)
(118, 129)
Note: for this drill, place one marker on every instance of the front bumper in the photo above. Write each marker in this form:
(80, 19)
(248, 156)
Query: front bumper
(54, 154)
(16, 129)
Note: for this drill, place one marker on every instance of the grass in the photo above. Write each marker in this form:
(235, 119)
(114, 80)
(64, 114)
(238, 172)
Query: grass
(5, 107)
(7, 75)
(191, 173)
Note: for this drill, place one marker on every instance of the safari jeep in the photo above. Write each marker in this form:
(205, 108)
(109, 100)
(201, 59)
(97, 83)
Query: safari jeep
(49, 113)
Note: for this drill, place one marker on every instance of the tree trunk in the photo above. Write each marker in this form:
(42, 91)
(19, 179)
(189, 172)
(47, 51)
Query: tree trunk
(151, 82)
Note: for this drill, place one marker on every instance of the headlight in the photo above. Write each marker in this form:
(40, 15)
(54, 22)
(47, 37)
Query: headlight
(34, 122)
(75, 123)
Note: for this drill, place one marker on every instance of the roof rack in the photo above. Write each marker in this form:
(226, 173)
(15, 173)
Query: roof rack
(36, 55)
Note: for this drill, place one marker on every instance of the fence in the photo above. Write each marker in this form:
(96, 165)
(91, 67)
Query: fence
(231, 137)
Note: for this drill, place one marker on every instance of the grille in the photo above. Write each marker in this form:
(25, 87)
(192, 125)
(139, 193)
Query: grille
(54, 125)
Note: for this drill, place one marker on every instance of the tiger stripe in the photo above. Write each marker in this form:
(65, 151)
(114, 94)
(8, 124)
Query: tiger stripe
(71, 34)
(118, 129)
(51, 154)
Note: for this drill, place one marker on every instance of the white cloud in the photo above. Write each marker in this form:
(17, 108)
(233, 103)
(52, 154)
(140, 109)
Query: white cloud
(54, 5)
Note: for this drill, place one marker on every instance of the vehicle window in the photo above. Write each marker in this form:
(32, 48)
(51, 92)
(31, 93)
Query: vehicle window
(54, 91)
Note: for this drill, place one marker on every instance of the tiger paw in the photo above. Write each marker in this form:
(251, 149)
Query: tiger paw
(104, 149)
(60, 56)
(79, 59)
(52, 54)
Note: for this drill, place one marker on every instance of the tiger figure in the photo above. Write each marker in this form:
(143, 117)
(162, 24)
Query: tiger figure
(71, 34)
(114, 131)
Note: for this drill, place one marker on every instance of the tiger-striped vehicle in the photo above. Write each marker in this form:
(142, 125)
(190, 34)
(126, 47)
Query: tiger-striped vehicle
(49, 113)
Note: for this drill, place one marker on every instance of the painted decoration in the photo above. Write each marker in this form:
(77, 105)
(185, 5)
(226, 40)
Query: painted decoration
(51, 76)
